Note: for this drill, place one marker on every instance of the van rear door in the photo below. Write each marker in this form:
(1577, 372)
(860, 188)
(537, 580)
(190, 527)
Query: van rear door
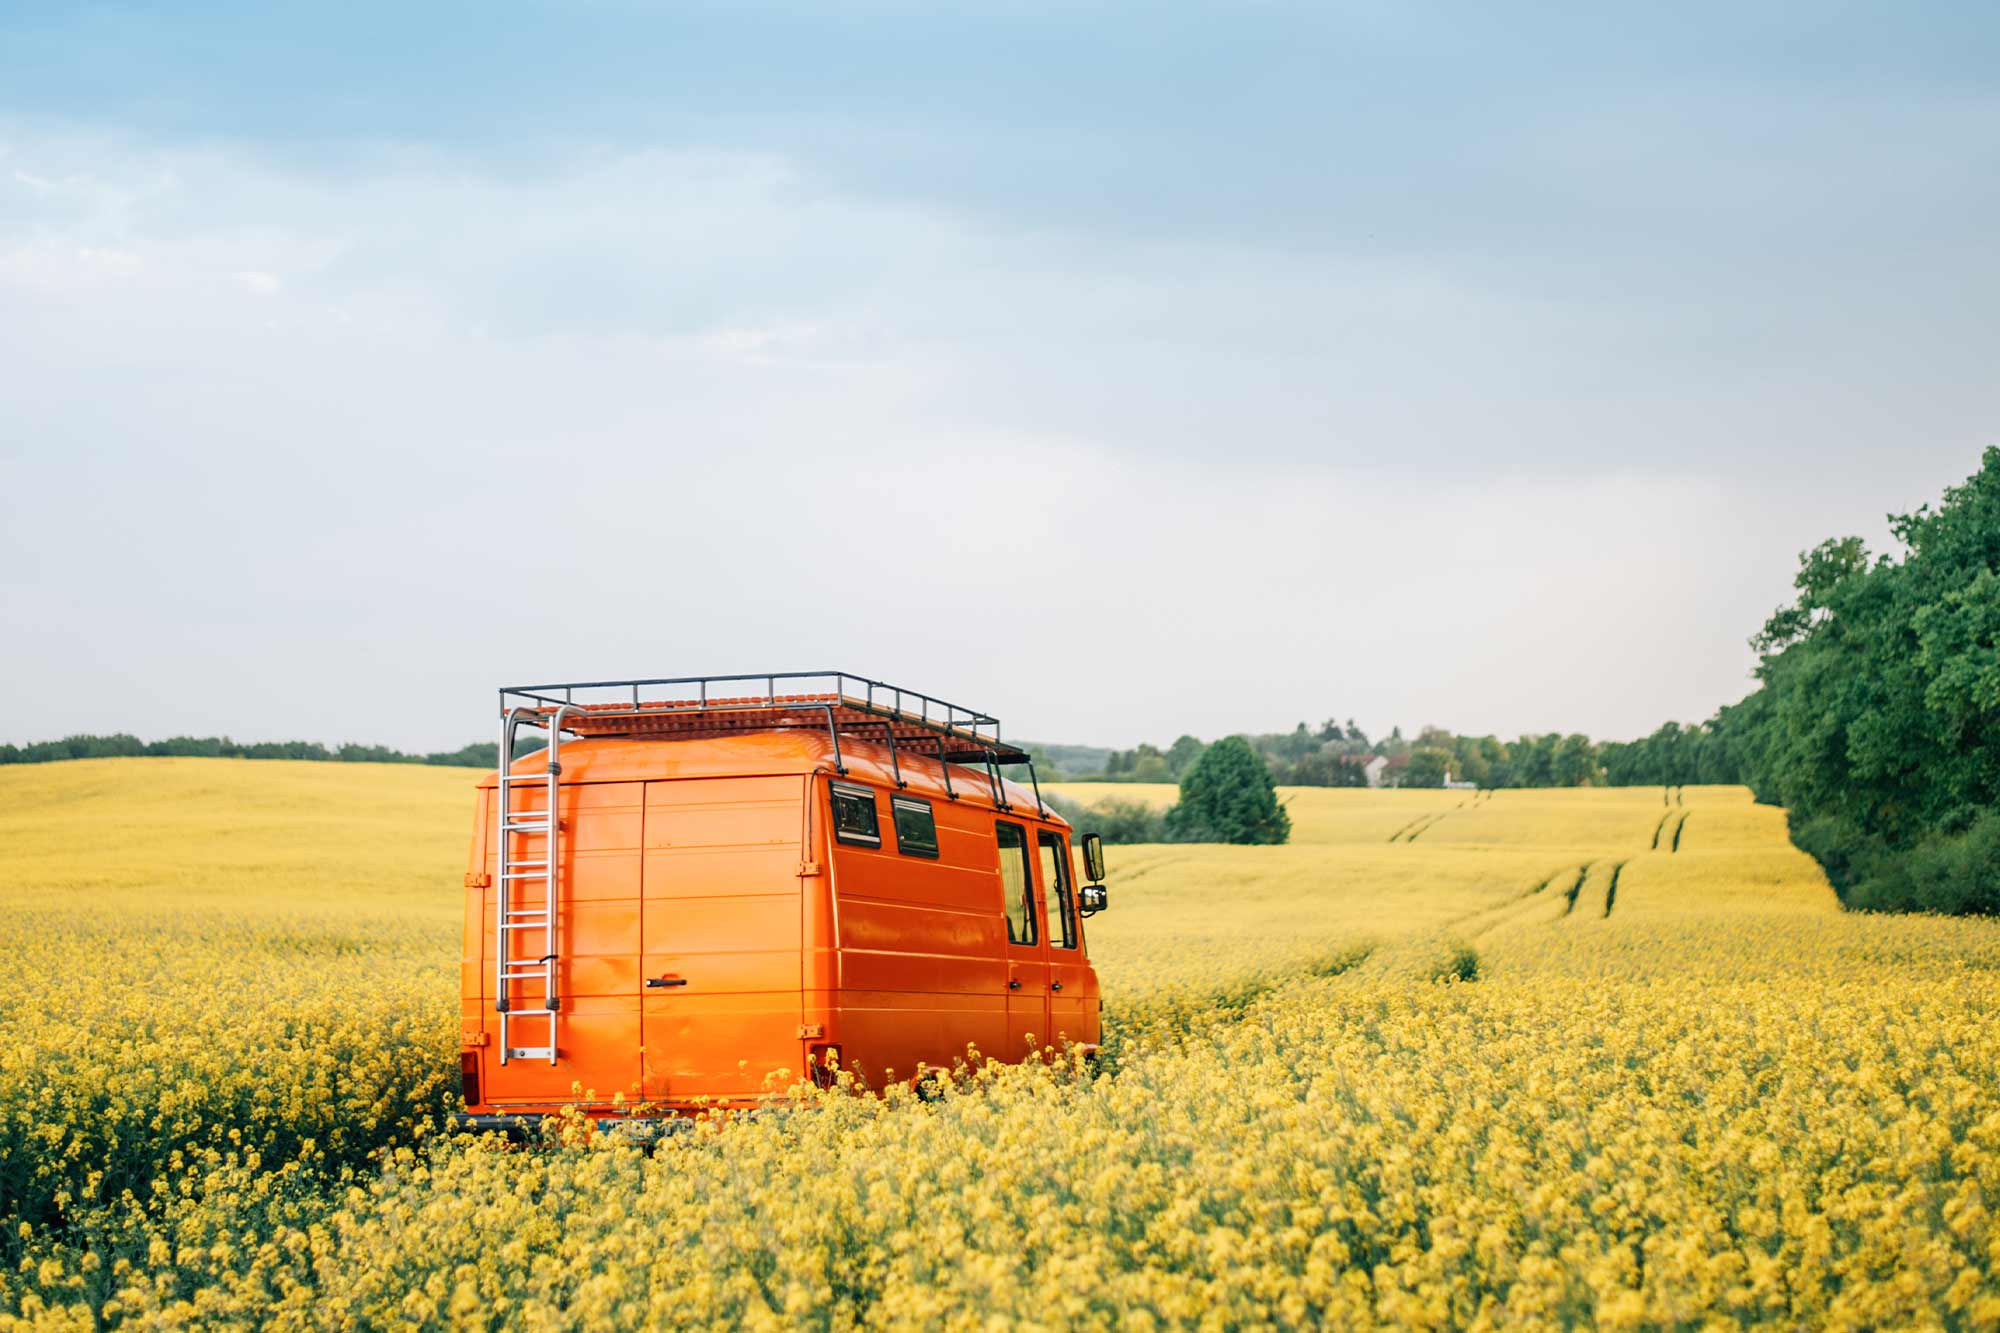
(719, 937)
(597, 942)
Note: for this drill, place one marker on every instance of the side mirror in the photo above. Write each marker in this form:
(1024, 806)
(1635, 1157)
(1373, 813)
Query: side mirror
(1095, 899)
(1093, 857)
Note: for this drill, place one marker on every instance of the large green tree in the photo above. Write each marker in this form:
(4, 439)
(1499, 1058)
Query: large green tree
(1228, 796)
(1429, 764)
(1884, 674)
(1879, 721)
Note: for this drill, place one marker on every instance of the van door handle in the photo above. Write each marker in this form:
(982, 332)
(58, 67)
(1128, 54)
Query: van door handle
(1055, 985)
(665, 981)
(1013, 983)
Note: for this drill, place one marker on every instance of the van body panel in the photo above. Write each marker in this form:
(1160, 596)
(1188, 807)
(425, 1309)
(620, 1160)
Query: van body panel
(599, 1060)
(894, 1035)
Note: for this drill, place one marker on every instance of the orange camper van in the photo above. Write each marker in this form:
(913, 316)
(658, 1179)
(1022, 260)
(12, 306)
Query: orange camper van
(749, 880)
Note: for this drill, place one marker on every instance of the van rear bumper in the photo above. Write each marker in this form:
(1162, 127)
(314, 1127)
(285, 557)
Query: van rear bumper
(517, 1126)
(526, 1126)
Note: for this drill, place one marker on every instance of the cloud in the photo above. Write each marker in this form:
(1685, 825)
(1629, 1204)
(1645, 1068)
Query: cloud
(656, 411)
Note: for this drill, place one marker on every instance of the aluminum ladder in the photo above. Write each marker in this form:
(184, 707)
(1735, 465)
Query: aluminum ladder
(521, 916)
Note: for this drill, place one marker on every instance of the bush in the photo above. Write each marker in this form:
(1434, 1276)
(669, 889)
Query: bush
(1952, 873)
(1834, 843)
(1115, 821)
(1228, 797)
(1459, 963)
(1955, 871)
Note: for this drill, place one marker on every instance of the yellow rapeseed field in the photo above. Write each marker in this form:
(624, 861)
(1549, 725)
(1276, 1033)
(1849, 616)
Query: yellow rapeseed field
(1527, 1058)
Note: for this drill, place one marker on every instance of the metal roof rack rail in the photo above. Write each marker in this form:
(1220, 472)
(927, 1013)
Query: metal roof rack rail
(839, 701)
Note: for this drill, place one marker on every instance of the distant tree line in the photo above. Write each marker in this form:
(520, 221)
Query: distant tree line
(481, 754)
(1336, 754)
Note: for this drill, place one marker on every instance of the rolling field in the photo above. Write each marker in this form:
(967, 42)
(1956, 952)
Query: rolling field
(1527, 1058)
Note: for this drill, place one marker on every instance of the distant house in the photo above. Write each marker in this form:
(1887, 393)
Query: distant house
(1390, 774)
(1371, 767)
(1459, 786)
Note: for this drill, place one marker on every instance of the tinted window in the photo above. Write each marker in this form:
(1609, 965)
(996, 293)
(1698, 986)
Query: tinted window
(916, 827)
(1014, 891)
(1055, 884)
(854, 816)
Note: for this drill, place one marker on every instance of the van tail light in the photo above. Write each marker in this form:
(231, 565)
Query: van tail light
(824, 1062)
(468, 1076)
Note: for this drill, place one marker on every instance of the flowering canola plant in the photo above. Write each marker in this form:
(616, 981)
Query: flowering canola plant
(1676, 1085)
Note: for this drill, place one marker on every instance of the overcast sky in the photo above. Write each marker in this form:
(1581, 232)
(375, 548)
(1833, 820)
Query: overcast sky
(1125, 372)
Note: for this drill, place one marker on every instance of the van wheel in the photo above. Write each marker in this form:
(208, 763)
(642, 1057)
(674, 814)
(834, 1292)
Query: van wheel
(928, 1086)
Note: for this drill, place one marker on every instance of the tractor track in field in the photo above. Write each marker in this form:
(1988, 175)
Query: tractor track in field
(1426, 828)
(1661, 831)
(1488, 919)
(1569, 896)
(1417, 827)
(1611, 889)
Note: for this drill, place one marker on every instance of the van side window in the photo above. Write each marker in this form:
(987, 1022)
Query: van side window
(1015, 883)
(854, 816)
(1055, 887)
(916, 826)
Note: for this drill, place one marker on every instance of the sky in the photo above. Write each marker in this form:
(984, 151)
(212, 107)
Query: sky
(1121, 371)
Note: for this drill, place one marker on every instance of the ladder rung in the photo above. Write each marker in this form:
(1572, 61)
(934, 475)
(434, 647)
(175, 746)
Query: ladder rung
(532, 861)
(522, 913)
(532, 823)
(510, 876)
(529, 1053)
(524, 925)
